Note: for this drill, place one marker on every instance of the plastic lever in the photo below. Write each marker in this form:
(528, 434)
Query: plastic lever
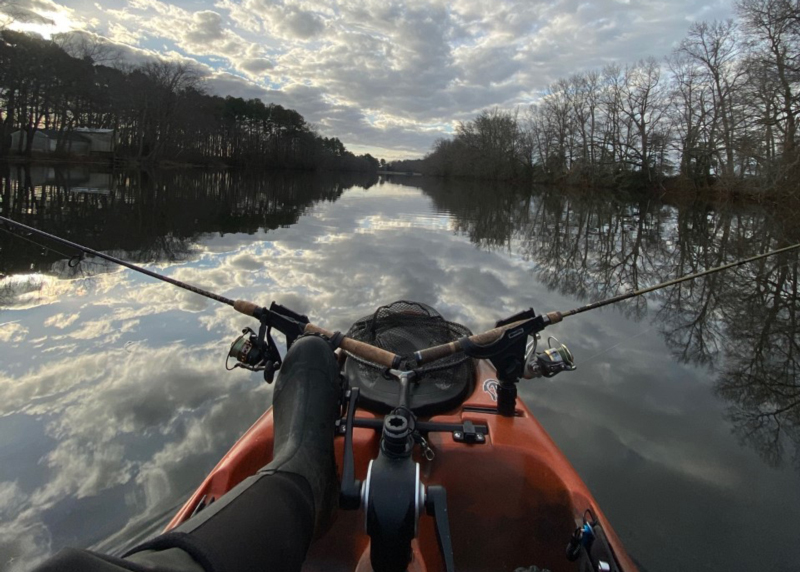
(350, 494)
(436, 506)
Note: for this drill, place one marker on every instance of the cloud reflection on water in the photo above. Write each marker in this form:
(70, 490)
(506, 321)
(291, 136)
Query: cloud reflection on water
(120, 419)
(140, 409)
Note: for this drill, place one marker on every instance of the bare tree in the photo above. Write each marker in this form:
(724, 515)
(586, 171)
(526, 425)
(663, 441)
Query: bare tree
(773, 28)
(690, 110)
(717, 48)
(88, 46)
(557, 123)
(161, 98)
(643, 104)
(616, 133)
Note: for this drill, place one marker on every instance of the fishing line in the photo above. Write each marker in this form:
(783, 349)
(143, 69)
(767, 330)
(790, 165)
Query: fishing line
(283, 319)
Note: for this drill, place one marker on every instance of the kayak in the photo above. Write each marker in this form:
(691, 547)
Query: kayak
(513, 499)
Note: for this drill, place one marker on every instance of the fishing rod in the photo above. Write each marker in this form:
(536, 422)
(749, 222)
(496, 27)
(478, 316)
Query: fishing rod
(114, 259)
(291, 324)
(532, 324)
(294, 325)
(635, 293)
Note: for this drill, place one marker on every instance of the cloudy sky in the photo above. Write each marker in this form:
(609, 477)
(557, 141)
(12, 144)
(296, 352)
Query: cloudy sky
(386, 76)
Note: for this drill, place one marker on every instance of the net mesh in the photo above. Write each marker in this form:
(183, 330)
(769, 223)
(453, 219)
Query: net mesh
(405, 327)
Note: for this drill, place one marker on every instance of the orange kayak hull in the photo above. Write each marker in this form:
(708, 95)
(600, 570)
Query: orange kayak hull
(514, 501)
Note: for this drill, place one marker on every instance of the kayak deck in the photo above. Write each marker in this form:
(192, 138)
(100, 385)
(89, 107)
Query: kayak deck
(514, 501)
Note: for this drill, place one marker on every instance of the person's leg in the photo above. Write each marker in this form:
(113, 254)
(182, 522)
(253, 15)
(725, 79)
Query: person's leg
(267, 522)
(306, 407)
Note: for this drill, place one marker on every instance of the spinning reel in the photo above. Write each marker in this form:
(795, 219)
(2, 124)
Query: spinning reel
(258, 351)
(552, 361)
(255, 352)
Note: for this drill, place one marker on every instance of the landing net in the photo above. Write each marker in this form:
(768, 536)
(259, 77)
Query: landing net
(405, 327)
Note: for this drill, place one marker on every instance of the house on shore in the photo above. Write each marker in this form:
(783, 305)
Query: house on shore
(80, 141)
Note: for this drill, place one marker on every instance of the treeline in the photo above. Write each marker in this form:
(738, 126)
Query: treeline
(159, 111)
(723, 105)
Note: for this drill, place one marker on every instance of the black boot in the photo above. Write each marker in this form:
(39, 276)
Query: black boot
(266, 522)
(306, 406)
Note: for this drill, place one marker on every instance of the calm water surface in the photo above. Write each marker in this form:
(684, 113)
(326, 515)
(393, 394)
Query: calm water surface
(683, 417)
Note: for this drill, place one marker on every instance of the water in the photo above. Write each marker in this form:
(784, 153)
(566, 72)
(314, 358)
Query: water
(682, 418)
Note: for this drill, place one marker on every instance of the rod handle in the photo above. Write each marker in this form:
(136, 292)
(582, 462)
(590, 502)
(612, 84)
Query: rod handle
(555, 317)
(437, 352)
(245, 307)
(442, 351)
(364, 351)
(490, 336)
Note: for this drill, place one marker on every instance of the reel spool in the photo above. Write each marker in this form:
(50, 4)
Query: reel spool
(243, 349)
(550, 362)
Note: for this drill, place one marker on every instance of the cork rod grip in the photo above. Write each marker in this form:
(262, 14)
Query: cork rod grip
(245, 307)
(364, 351)
(437, 352)
(555, 317)
(444, 350)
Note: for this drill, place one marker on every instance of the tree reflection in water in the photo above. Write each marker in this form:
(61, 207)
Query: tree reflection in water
(760, 375)
(742, 324)
(149, 216)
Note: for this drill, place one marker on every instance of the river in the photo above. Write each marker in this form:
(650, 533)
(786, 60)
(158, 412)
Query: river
(683, 416)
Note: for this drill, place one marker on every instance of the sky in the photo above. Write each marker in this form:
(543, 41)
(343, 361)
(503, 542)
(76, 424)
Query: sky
(387, 77)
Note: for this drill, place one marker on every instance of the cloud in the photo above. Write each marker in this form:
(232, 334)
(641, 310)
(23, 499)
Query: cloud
(122, 34)
(12, 332)
(292, 22)
(394, 75)
(226, 83)
(206, 27)
(61, 320)
(11, 498)
(42, 17)
(255, 66)
(30, 11)
(196, 34)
